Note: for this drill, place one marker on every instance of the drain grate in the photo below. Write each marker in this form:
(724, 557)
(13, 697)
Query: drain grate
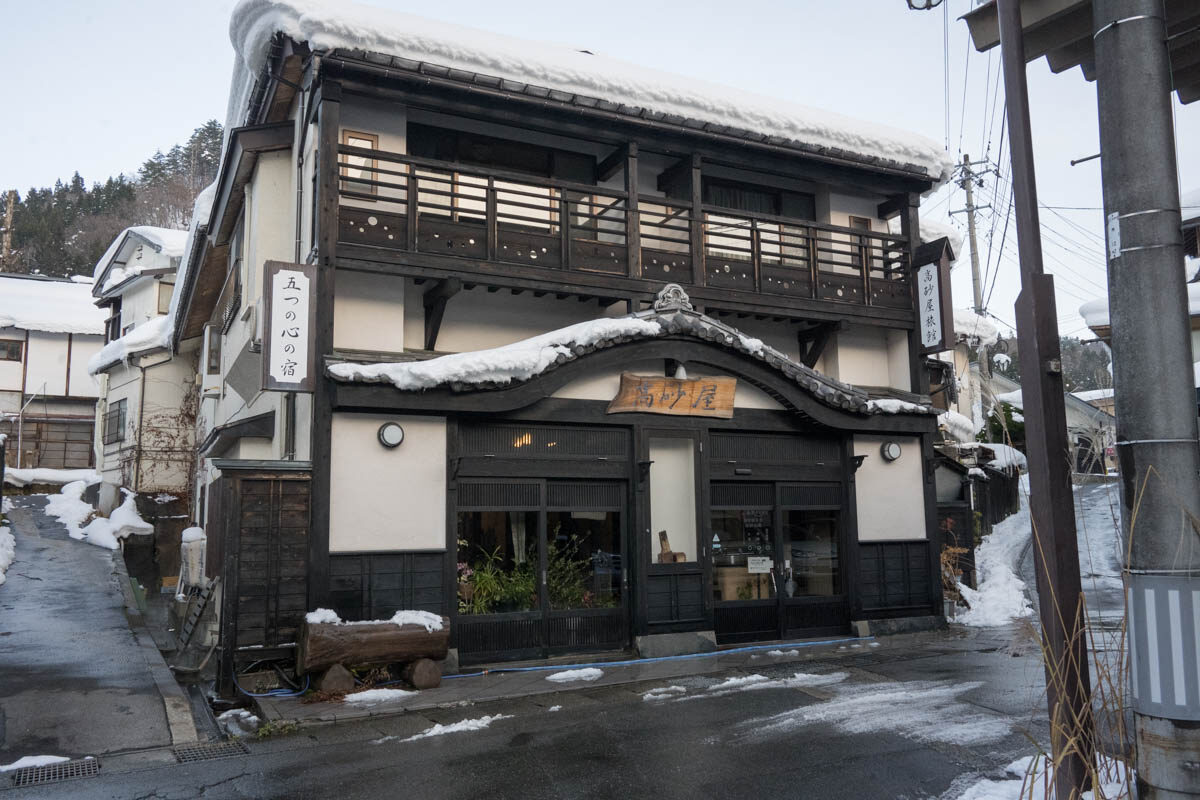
(50, 773)
(187, 753)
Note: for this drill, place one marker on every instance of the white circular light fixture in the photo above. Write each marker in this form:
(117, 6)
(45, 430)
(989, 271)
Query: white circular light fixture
(890, 451)
(391, 434)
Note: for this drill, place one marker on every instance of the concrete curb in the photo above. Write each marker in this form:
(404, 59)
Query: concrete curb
(175, 702)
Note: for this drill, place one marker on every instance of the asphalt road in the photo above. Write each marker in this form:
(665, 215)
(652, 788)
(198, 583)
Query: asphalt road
(902, 725)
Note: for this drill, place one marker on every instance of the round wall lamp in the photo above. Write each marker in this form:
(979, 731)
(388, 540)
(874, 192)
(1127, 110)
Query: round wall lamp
(391, 434)
(890, 451)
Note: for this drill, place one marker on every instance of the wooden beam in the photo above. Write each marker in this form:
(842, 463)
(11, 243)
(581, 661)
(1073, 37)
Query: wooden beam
(612, 163)
(678, 173)
(813, 340)
(697, 227)
(633, 223)
(434, 300)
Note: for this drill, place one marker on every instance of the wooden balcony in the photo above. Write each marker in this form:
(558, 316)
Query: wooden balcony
(487, 225)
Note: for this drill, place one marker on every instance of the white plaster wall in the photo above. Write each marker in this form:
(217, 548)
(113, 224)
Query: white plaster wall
(389, 121)
(270, 227)
(477, 319)
(83, 347)
(368, 312)
(780, 335)
(139, 302)
(890, 495)
(859, 355)
(46, 357)
(899, 366)
(124, 383)
(843, 206)
(11, 371)
(383, 499)
(166, 443)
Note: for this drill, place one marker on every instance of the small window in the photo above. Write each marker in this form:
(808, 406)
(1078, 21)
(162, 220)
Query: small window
(112, 325)
(114, 422)
(212, 355)
(164, 297)
(11, 349)
(358, 171)
(127, 329)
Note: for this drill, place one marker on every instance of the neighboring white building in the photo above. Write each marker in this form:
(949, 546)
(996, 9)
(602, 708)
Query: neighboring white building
(48, 331)
(145, 416)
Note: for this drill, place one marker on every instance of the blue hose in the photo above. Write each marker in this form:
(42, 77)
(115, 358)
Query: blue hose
(684, 657)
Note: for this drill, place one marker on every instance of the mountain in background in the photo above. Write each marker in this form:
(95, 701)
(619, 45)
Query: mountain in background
(63, 230)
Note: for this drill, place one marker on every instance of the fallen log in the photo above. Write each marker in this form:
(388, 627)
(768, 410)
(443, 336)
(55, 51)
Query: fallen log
(322, 644)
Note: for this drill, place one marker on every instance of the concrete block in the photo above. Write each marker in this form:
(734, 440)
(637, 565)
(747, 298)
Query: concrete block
(675, 644)
(860, 627)
(887, 627)
(336, 680)
(450, 662)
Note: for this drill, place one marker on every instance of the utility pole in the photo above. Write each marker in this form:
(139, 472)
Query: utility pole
(985, 367)
(1155, 398)
(1051, 502)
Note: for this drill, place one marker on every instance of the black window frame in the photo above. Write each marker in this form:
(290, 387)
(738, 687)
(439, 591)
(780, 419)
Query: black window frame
(10, 346)
(114, 422)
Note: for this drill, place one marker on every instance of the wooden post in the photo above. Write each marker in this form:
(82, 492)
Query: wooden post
(490, 220)
(328, 137)
(633, 220)
(412, 204)
(697, 231)
(564, 228)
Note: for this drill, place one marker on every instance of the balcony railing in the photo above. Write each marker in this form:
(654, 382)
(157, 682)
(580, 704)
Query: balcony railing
(495, 216)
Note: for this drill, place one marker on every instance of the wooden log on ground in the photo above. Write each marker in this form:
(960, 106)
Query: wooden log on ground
(322, 645)
(422, 674)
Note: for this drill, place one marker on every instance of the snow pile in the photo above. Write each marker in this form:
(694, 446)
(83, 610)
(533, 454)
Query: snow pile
(977, 330)
(1033, 776)
(68, 507)
(1000, 598)
(570, 70)
(958, 426)
(457, 727)
(32, 761)
(1095, 312)
(167, 241)
(754, 683)
(782, 653)
(192, 535)
(53, 306)
(891, 405)
(518, 361)
(570, 675)
(1007, 457)
(239, 722)
(8, 551)
(58, 477)
(430, 621)
(663, 693)
(123, 522)
(925, 711)
(372, 697)
(150, 335)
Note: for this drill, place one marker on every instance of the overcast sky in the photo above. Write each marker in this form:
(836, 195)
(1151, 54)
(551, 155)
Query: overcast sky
(98, 87)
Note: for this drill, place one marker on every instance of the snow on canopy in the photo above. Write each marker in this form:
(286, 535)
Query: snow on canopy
(327, 25)
(1095, 312)
(978, 330)
(167, 241)
(53, 306)
(149, 335)
(962, 428)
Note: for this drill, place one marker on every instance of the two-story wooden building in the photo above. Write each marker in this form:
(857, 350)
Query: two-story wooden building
(601, 357)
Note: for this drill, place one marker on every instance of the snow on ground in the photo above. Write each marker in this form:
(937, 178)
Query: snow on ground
(1098, 530)
(571, 675)
(239, 722)
(456, 727)
(1001, 596)
(122, 522)
(371, 697)
(755, 683)
(778, 653)
(663, 693)
(8, 548)
(6, 505)
(57, 477)
(925, 711)
(32, 761)
(1032, 777)
(69, 508)
(554, 708)
(430, 621)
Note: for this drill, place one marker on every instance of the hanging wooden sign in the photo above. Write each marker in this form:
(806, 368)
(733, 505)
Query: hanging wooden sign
(691, 397)
(289, 327)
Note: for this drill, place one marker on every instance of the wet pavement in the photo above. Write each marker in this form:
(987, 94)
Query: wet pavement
(75, 680)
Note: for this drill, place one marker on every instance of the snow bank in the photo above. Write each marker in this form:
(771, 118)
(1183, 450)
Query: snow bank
(168, 241)
(1001, 597)
(24, 477)
(68, 507)
(518, 361)
(8, 551)
(571, 675)
(663, 693)
(1033, 776)
(977, 330)
(123, 522)
(457, 727)
(151, 334)
(570, 70)
(372, 697)
(430, 621)
(961, 428)
(32, 761)
(239, 722)
(891, 405)
(54, 306)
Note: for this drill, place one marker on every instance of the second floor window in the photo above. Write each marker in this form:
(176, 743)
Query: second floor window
(164, 297)
(10, 349)
(114, 422)
(358, 170)
(112, 325)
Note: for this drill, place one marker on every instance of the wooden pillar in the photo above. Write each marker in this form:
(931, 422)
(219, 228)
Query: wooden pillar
(328, 137)
(698, 276)
(910, 229)
(633, 222)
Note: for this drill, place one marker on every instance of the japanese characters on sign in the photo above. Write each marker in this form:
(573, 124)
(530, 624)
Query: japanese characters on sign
(694, 397)
(289, 329)
(934, 314)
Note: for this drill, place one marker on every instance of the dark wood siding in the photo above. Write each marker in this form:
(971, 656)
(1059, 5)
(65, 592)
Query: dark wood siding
(676, 597)
(894, 578)
(377, 585)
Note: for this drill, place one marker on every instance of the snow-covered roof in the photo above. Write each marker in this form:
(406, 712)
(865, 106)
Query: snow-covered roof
(962, 428)
(1088, 395)
(167, 241)
(672, 315)
(150, 335)
(54, 306)
(978, 330)
(1095, 312)
(579, 76)
(201, 211)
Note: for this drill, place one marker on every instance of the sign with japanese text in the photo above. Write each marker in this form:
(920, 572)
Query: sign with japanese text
(935, 322)
(692, 397)
(289, 324)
